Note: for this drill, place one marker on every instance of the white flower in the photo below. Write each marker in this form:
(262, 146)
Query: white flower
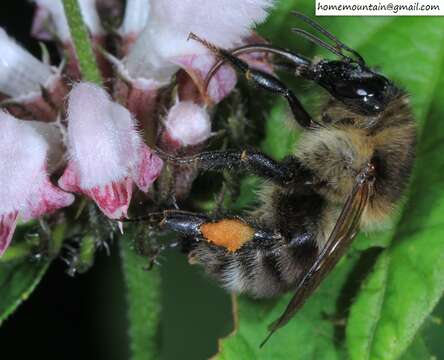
(107, 154)
(162, 44)
(21, 74)
(25, 190)
(135, 18)
(49, 20)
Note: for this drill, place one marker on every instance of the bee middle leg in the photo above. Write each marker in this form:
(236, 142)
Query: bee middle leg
(282, 173)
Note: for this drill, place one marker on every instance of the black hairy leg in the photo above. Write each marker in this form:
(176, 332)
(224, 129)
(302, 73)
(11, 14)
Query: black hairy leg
(265, 81)
(283, 173)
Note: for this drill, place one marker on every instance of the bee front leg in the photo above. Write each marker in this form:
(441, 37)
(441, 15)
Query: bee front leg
(264, 80)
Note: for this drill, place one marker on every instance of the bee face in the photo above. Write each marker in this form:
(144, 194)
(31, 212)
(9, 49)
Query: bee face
(357, 86)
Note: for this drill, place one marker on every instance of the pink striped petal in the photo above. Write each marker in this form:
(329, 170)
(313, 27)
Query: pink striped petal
(113, 198)
(148, 170)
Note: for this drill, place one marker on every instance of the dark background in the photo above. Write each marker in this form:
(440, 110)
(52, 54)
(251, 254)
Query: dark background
(85, 317)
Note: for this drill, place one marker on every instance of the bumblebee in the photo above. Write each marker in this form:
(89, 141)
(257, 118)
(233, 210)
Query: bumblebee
(351, 166)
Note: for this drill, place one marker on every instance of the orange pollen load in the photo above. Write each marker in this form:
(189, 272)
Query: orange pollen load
(228, 233)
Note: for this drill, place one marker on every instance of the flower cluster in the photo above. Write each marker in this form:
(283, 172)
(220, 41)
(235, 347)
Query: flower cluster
(61, 136)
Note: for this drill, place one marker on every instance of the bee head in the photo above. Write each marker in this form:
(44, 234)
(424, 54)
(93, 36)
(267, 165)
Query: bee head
(355, 85)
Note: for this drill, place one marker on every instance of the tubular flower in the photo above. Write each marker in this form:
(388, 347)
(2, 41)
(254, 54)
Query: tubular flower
(22, 78)
(26, 191)
(106, 153)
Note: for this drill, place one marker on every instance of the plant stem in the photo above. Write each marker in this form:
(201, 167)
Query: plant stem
(82, 42)
(143, 301)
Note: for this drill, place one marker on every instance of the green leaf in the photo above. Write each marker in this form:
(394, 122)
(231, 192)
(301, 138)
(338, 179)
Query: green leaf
(417, 350)
(433, 330)
(280, 134)
(407, 281)
(312, 334)
(20, 273)
(143, 300)
(18, 279)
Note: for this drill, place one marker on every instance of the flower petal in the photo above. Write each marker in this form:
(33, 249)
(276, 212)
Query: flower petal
(91, 16)
(170, 22)
(46, 199)
(20, 72)
(148, 170)
(103, 141)
(50, 19)
(8, 223)
(113, 198)
(197, 67)
(25, 188)
(23, 162)
(134, 21)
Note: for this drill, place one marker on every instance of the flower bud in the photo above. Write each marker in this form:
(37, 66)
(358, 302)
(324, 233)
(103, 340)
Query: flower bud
(187, 124)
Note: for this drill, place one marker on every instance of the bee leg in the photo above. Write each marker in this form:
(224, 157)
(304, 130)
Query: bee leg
(226, 232)
(184, 222)
(265, 81)
(282, 173)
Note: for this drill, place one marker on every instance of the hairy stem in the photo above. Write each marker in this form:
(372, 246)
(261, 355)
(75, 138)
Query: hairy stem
(143, 301)
(82, 42)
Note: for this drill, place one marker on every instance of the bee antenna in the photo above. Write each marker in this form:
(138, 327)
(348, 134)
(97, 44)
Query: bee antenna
(339, 44)
(315, 40)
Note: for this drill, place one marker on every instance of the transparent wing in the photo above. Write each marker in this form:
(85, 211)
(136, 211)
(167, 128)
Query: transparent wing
(345, 229)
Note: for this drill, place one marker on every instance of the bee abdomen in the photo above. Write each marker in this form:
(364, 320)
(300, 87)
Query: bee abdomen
(256, 270)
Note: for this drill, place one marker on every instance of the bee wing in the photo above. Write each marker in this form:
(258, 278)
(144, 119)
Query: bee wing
(345, 229)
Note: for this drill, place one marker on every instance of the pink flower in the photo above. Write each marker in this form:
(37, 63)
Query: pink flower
(106, 153)
(26, 191)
